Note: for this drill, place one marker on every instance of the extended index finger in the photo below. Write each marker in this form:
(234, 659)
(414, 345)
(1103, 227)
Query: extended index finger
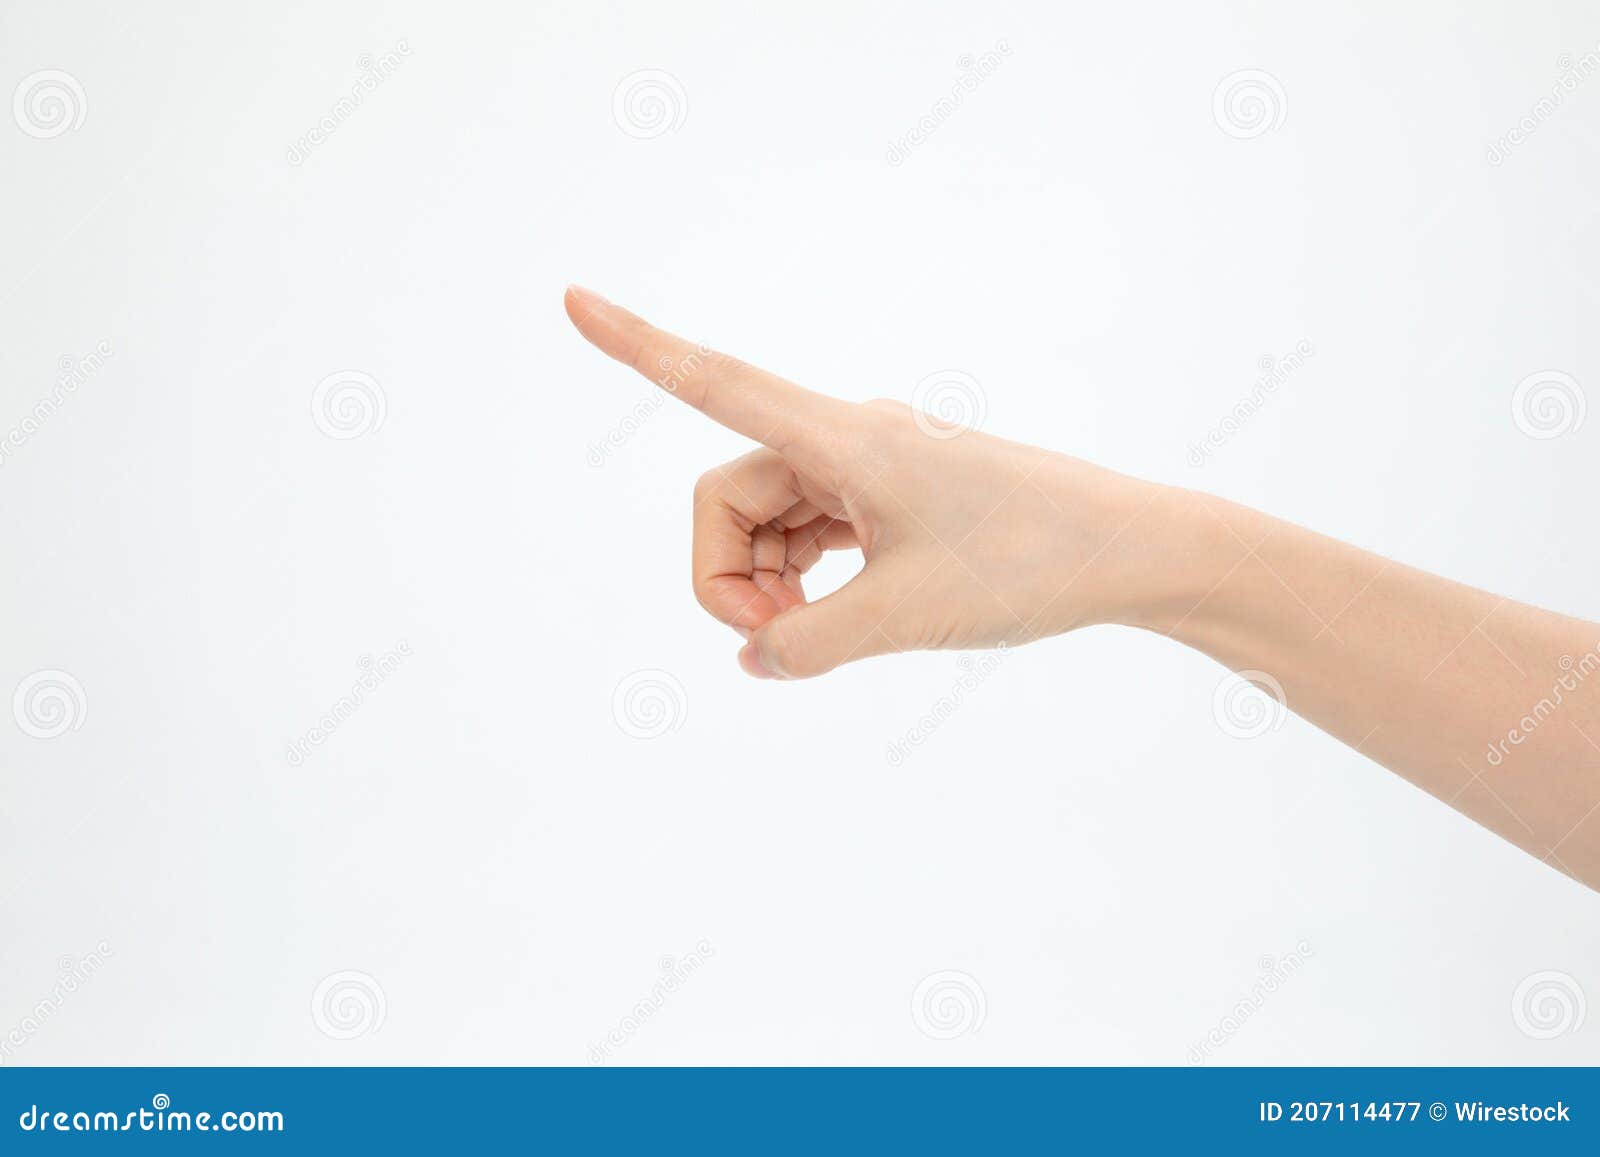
(749, 401)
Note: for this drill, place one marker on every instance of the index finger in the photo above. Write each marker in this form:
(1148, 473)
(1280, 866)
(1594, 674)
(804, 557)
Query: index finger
(748, 401)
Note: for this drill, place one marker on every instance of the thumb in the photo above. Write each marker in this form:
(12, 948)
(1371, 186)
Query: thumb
(814, 638)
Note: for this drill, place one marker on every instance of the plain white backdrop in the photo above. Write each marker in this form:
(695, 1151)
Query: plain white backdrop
(488, 850)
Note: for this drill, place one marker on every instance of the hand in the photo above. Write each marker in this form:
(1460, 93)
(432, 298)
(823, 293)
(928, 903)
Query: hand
(969, 541)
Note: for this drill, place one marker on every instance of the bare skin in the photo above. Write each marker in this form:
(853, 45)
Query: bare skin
(971, 541)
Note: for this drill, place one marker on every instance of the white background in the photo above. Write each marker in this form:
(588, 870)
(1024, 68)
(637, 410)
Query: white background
(482, 838)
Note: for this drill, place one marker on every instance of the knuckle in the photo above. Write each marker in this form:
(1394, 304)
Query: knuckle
(706, 485)
(880, 433)
(883, 414)
(646, 351)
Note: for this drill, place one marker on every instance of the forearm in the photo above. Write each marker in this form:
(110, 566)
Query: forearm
(1490, 705)
(970, 541)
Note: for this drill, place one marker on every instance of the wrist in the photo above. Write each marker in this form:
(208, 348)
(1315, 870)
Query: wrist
(1177, 549)
(1122, 551)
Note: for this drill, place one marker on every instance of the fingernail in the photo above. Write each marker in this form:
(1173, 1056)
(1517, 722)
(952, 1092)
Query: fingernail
(750, 660)
(586, 295)
(744, 633)
(770, 664)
